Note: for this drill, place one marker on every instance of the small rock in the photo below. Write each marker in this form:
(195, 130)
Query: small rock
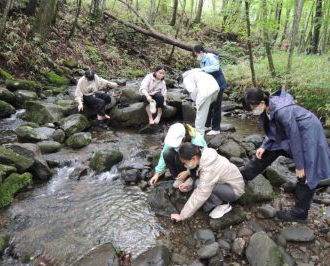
(79, 140)
(256, 139)
(208, 251)
(49, 146)
(229, 235)
(216, 260)
(280, 240)
(234, 217)
(205, 235)
(179, 259)
(223, 244)
(267, 212)
(237, 161)
(6, 109)
(298, 233)
(59, 135)
(227, 128)
(255, 226)
(188, 111)
(238, 246)
(231, 148)
(159, 255)
(78, 172)
(196, 263)
(143, 185)
(245, 232)
(132, 175)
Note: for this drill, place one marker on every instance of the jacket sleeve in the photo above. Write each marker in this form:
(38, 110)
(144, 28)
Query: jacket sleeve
(78, 95)
(290, 125)
(102, 83)
(161, 166)
(212, 65)
(145, 85)
(267, 143)
(198, 197)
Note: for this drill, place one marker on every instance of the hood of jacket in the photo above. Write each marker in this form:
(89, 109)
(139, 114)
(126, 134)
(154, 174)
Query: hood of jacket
(279, 100)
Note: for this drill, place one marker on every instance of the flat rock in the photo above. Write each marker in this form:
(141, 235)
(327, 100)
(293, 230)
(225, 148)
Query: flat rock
(234, 217)
(208, 251)
(204, 235)
(267, 212)
(238, 246)
(298, 233)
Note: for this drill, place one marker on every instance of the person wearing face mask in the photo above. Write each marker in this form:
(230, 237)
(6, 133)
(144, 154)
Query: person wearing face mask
(87, 92)
(218, 181)
(176, 134)
(153, 87)
(210, 64)
(294, 132)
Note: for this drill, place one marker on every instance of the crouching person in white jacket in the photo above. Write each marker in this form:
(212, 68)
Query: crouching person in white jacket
(218, 182)
(203, 89)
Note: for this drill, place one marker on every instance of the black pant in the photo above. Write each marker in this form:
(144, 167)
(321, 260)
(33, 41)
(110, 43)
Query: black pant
(173, 162)
(303, 194)
(97, 102)
(159, 99)
(214, 115)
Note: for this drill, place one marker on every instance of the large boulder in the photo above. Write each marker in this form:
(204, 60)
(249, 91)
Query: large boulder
(22, 96)
(7, 96)
(43, 112)
(175, 98)
(6, 170)
(79, 140)
(74, 124)
(9, 157)
(230, 148)
(236, 216)
(49, 146)
(57, 79)
(11, 186)
(104, 160)
(169, 112)
(133, 115)
(188, 111)
(29, 85)
(131, 95)
(156, 256)
(30, 134)
(6, 109)
(262, 251)
(40, 168)
(59, 135)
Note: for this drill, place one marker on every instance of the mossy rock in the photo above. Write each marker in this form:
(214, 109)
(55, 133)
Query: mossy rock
(74, 124)
(79, 140)
(11, 186)
(59, 135)
(29, 85)
(135, 73)
(29, 124)
(7, 96)
(4, 74)
(9, 157)
(22, 96)
(6, 170)
(70, 64)
(49, 146)
(56, 79)
(4, 240)
(30, 134)
(47, 93)
(236, 216)
(103, 160)
(59, 90)
(6, 109)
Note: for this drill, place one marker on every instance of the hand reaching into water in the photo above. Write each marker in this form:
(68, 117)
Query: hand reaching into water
(154, 179)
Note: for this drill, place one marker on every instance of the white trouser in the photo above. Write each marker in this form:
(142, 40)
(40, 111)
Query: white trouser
(201, 114)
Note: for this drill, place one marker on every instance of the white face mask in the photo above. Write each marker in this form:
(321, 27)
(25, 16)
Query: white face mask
(259, 109)
(190, 165)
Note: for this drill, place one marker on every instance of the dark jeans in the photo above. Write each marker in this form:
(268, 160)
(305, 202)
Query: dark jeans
(303, 194)
(173, 162)
(214, 115)
(158, 97)
(97, 102)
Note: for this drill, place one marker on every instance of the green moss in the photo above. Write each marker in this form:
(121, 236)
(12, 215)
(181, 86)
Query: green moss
(57, 90)
(104, 160)
(29, 124)
(5, 74)
(79, 140)
(6, 109)
(70, 63)
(4, 239)
(9, 157)
(11, 186)
(56, 79)
(6, 170)
(135, 73)
(20, 84)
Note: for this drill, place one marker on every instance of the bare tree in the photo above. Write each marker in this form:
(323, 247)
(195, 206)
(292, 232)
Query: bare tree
(3, 21)
(96, 10)
(31, 7)
(199, 11)
(175, 11)
(152, 12)
(317, 26)
(75, 23)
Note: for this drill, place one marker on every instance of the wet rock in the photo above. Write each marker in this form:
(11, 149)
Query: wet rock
(56, 90)
(231, 148)
(208, 251)
(79, 140)
(121, 81)
(229, 106)
(179, 259)
(188, 111)
(11, 186)
(157, 256)
(216, 260)
(227, 128)
(196, 263)
(29, 85)
(6, 109)
(204, 235)
(30, 124)
(6, 170)
(217, 141)
(256, 139)
(234, 217)
(22, 96)
(133, 115)
(143, 185)
(229, 234)
(59, 136)
(7, 96)
(169, 112)
(78, 172)
(74, 124)
(262, 251)
(9, 157)
(104, 160)
(258, 190)
(131, 95)
(175, 98)
(29, 134)
(298, 233)
(49, 146)
(223, 244)
(238, 246)
(239, 162)
(245, 232)
(131, 176)
(104, 254)
(267, 212)
(170, 83)
(4, 240)
(249, 147)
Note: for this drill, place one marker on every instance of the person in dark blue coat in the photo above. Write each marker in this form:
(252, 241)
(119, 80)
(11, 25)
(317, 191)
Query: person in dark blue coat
(295, 132)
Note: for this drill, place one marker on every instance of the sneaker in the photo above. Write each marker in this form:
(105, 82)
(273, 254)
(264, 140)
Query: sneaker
(291, 216)
(153, 108)
(213, 133)
(177, 183)
(220, 211)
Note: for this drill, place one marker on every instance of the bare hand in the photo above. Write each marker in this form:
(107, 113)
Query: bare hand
(259, 153)
(183, 175)
(300, 173)
(80, 107)
(176, 217)
(149, 99)
(183, 187)
(154, 179)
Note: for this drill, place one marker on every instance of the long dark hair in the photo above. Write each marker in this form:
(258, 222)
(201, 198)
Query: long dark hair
(254, 96)
(159, 67)
(187, 151)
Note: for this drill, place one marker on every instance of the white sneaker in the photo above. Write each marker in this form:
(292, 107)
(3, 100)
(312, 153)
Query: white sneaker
(153, 108)
(220, 211)
(213, 132)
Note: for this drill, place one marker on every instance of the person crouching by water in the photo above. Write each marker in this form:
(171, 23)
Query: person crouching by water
(294, 132)
(87, 92)
(153, 88)
(176, 134)
(218, 181)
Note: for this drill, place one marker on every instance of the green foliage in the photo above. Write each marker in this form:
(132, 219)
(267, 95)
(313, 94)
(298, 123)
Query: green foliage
(56, 79)
(93, 54)
(5, 74)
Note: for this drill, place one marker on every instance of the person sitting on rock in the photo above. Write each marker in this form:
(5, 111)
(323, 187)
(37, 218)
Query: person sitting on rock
(203, 90)
(87, 92)
(169, 155)
(210, 63)
(153, 88)
(294, 132)
(217, 181)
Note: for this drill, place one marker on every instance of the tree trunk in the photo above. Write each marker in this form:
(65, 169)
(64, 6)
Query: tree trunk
(31, 7)
(152, 11)
(278, 15)
(298, 6)
(175, 11)
(45, 16)
(285, 29)
(96, 10)
(199, 11)
(75, 23)
(317, 26)
(248, 29)
(325, 26)
(3, 21)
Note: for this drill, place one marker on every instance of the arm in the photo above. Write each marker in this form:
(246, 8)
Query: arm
(102, 83)
(212, 65)
(161, 166)
(78, 95)
(267, 143)
(145, 85)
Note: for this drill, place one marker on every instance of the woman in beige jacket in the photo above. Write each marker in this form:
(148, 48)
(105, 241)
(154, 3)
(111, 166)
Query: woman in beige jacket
(219, 181)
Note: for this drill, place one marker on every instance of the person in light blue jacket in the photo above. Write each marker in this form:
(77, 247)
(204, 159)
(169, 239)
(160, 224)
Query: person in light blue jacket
(177, 134)
(210, 64)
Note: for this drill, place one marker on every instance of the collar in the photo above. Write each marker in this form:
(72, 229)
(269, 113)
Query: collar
(204, 58)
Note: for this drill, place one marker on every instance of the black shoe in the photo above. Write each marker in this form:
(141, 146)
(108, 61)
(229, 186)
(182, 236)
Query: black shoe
(292, 216)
